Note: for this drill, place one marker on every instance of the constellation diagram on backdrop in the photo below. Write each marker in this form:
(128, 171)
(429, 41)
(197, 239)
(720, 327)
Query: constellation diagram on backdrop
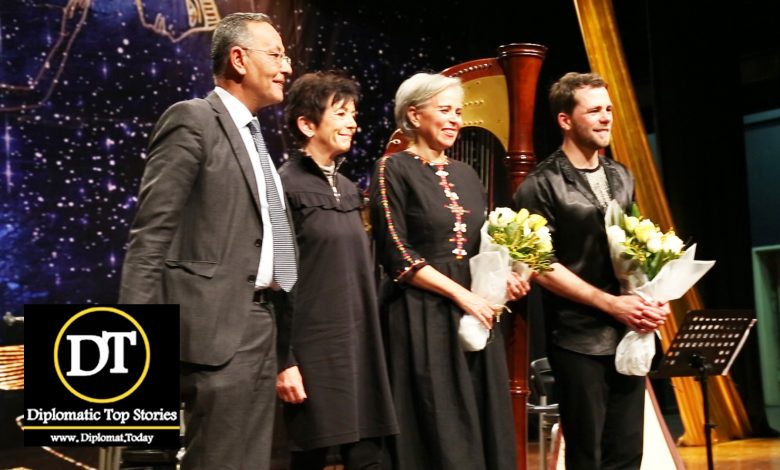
(177, 21)
(202, 16)
(81, 84)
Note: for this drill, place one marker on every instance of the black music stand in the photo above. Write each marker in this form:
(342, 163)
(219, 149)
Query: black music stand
(706, 344)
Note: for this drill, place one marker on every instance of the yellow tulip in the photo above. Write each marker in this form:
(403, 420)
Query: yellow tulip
(631, 222)
(522, 214)
(644, 230)
(535, 221)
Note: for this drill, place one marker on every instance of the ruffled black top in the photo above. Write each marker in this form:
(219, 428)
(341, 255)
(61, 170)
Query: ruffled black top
(335, 336)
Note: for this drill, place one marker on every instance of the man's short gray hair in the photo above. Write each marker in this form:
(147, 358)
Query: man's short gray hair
(230, 31)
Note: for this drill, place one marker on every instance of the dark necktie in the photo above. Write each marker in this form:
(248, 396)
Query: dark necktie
(285, 270)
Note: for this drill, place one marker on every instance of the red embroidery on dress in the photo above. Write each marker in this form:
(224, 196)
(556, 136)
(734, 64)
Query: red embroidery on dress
(454, 206)
(385, 202)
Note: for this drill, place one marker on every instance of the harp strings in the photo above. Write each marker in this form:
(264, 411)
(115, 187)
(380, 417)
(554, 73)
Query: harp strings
(480, 149)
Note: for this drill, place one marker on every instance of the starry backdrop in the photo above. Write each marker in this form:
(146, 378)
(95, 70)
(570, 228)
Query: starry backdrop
(82, 83)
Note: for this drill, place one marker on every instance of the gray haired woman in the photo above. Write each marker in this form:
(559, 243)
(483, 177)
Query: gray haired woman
(453, 406)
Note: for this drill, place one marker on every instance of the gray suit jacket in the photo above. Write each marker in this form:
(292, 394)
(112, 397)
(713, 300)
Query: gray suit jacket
(196, 237)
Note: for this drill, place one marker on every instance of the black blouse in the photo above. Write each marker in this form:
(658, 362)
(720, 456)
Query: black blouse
(335, 335)
(560, 193)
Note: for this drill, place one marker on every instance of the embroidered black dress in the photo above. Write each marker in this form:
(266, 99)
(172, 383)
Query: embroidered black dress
(453, 407)
(336, 340)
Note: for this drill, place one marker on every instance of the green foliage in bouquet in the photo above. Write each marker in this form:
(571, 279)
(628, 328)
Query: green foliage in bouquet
(645, 243)
(525, 235)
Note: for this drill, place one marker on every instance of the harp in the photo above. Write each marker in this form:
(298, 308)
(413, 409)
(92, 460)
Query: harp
(497, 140)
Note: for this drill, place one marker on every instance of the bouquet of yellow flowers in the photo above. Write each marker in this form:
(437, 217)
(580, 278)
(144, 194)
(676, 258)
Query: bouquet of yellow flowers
(651, 264)
(511, 241)
(525, 237)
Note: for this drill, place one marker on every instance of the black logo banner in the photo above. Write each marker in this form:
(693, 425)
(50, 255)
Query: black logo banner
(101, 375)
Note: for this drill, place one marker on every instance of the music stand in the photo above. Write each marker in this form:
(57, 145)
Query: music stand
(706, 344)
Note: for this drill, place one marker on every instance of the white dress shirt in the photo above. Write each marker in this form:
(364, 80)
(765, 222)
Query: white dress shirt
(241, 117)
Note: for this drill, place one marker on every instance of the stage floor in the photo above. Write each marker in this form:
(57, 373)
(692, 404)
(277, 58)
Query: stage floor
(753, 454)
(745, 454)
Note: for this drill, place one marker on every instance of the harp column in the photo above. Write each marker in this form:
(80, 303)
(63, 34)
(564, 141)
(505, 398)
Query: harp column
(521, 64)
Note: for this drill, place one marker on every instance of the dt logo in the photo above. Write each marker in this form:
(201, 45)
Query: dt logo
(104, 353)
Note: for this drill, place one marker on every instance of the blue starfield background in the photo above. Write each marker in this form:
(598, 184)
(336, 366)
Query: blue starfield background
(82, 83)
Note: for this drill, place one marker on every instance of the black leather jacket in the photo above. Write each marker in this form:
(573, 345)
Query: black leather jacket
(559, 192)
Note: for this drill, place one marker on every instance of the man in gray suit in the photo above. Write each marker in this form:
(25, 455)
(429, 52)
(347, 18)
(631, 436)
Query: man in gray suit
(212, 235)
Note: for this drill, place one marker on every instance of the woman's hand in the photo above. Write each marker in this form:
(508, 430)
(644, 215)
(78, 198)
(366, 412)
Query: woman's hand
(289, 385)
(430, 279)
(475, 305)
(516, 286)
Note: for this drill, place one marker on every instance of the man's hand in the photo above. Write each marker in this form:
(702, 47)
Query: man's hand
(516, 286)
(642, 315)
(289, 385)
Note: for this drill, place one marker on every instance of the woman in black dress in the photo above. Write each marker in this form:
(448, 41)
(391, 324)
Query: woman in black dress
(334, 383)
(453, 407)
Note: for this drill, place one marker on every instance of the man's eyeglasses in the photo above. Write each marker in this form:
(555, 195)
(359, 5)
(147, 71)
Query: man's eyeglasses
(278, 57)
